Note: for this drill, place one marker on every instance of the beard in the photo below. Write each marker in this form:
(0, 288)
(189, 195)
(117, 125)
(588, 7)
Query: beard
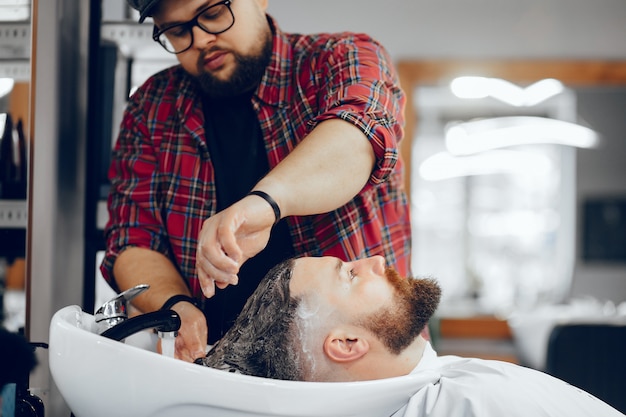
(414, 303)
(249, 70)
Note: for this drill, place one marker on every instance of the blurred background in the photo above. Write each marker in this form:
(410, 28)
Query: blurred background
(515, 174)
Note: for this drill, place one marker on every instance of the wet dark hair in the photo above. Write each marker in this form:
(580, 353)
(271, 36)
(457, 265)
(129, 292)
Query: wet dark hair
(263, 340)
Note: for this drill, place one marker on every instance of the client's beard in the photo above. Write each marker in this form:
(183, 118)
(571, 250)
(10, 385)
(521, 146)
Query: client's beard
(414, 303)
(247, 75)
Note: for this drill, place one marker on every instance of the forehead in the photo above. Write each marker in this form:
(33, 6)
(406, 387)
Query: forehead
(308, 273)
(178, 9)
(329, 280)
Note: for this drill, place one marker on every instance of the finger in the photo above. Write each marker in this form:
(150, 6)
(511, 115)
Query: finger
(207, 271)
(208, 287)
(206, 283)
(186, 356)
(222, 285)
(229, 244)
(198, 353)
(215, 262)
(214, 272)
(210, 248)
(195, 346)
(180, 352)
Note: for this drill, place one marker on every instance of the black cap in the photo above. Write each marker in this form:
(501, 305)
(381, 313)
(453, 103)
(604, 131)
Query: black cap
(143, 6)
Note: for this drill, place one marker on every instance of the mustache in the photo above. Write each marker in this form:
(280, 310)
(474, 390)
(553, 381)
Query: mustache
(208, 51)
(202, 56)
(418, 290)
(395, 278)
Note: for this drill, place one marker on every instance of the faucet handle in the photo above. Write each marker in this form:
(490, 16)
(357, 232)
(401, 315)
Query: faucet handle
(116, 309)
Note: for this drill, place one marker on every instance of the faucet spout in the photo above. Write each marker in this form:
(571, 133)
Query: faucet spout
(162, 321)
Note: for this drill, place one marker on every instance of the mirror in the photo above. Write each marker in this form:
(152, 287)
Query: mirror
(14, 146)
(15, 33)
(581, 179)
(13, 211)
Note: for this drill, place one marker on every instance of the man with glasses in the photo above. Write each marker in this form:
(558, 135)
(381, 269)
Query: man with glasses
(259, 146)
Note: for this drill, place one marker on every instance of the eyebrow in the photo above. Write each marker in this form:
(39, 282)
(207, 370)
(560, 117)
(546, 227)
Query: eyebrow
(338, 266)
(198, 9)
(205, 5)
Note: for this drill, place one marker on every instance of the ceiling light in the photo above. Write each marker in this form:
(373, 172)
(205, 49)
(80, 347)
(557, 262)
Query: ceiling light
(442, 165)
(470, 87)
(485, 134)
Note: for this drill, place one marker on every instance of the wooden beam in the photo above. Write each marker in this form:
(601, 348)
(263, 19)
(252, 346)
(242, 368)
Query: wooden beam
(479, 327)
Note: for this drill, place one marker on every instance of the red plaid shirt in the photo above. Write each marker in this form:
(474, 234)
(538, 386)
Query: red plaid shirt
(162, 176)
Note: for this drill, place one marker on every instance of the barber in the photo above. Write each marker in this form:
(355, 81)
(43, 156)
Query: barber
(259, 146)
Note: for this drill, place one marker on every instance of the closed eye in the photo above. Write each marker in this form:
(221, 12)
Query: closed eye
(213, 13)
(341, 271)
(178, 31)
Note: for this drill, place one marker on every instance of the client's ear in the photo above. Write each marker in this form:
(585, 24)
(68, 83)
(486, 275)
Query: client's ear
(342, 348)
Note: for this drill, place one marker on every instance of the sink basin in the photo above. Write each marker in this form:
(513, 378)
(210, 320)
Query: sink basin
(99, 377)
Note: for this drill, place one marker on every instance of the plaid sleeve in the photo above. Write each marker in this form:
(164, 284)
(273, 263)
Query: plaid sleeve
(360, 85)
(134, 217)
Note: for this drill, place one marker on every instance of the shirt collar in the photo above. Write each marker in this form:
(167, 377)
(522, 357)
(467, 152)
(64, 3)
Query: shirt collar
(275, 85)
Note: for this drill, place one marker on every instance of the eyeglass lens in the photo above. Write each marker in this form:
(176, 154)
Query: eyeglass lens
(215, 19)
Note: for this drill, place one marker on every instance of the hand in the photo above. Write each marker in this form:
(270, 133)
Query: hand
(229, 238)
(191, 341)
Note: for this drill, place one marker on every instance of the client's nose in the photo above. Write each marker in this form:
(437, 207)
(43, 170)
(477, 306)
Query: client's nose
(375, 264)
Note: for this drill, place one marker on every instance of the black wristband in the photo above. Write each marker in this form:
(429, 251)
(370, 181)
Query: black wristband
(177, 299)
(265, 196)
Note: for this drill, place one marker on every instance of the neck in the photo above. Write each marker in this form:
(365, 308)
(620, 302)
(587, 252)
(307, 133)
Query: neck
(404, 363)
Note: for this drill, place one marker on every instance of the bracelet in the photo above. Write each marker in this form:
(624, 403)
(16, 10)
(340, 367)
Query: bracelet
(265, 196)
(177, 299)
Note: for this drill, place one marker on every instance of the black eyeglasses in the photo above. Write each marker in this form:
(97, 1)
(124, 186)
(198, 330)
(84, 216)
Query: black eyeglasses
(214, 19)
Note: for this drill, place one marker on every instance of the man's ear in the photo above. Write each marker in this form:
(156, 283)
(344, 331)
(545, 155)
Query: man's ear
(342, 348)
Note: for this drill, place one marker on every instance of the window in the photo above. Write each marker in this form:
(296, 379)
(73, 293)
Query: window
(497, 227)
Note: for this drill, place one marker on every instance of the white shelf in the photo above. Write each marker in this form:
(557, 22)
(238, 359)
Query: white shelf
(15, 50)
(131, 34)
(18, 70)
(13, 214)
(134, 40)
(15, 40)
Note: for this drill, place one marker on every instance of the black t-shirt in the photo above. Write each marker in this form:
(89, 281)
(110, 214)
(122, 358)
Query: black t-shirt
(237, 150)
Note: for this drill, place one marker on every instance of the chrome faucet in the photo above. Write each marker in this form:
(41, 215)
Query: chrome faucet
(115, 310)
(112, 318)
(165, 322)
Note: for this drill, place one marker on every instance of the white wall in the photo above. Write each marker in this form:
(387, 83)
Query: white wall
(470, 28)
(429, 29)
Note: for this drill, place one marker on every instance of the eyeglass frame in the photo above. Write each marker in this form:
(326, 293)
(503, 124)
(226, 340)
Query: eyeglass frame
(190, 24)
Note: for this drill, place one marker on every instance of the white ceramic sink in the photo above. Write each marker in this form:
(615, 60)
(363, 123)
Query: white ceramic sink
(99, 377)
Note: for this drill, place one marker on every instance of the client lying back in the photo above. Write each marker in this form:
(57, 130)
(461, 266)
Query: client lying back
(321, 319)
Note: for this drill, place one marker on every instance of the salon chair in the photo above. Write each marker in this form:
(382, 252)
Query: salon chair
(591, 357)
